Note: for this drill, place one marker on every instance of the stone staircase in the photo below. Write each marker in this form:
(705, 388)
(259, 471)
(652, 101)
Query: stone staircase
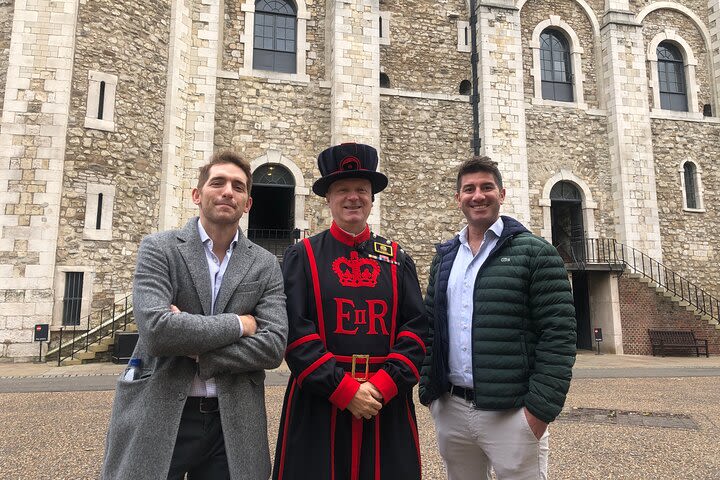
(93, 343)
(680, 302)
(99, 351)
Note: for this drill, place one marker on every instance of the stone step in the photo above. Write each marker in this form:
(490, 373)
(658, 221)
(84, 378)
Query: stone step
(99, 347)
(71, 361)
(85, 355)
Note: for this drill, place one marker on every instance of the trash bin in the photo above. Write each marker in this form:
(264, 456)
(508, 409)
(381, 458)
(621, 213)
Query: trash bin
(124, 345)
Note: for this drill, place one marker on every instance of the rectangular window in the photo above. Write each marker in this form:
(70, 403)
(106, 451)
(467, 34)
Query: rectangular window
(100, 106)
(72, 299)
(98, 219)
(384, 28)
(101, 101)
(464, 37)
(690, 187)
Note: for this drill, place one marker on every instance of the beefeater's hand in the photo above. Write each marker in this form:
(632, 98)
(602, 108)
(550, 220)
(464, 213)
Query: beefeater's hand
(364, 405)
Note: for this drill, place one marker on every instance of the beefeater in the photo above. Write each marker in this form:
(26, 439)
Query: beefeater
(356, 340)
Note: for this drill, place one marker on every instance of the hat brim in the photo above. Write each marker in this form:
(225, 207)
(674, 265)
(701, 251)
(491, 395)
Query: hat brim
(377, 180)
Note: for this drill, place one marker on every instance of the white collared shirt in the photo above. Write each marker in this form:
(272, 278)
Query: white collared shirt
(461, 285)
(199, 387)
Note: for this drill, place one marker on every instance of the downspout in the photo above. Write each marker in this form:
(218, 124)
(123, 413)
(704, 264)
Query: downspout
(474, 98)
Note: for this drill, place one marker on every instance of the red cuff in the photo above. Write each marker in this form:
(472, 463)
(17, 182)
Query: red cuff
(384, 382)
(344, 392)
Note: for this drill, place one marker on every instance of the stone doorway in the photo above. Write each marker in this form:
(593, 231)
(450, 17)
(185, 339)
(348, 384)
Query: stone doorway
(568, 231)
(272, 216)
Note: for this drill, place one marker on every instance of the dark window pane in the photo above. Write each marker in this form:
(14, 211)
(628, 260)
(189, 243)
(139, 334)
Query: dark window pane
(72, 300)
(671, 78)
(275, 26)
(690, 185)
(555, 67)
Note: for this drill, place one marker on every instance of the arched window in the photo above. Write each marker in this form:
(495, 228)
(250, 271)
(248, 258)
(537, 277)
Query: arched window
(465, 87)
(671, 76)
(384, 81)
(275, 36)
(555, 67)
(691, 185)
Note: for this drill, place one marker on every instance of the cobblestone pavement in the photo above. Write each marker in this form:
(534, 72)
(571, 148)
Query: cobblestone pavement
(60, 435)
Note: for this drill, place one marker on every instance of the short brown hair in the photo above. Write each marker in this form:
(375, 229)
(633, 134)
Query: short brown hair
(222, 157)
(479, 164)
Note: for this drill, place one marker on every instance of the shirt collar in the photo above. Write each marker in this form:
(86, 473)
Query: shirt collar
(348, 238)
(495, 229)
(205, 238)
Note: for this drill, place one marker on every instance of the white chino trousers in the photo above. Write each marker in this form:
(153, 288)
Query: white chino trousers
(472, 441)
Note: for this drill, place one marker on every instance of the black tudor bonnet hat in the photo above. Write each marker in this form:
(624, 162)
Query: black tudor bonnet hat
(349, 160)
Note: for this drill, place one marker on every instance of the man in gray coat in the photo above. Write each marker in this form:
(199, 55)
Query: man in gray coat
(210, 310)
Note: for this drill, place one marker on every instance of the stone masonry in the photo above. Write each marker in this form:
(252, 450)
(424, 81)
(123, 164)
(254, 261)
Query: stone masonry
(634, 196)
(32, 156)
(502, 104)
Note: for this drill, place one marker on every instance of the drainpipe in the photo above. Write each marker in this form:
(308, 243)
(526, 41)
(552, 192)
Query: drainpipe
(474, 98)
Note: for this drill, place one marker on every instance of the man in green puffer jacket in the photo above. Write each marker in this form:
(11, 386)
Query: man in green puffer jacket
(502, 338)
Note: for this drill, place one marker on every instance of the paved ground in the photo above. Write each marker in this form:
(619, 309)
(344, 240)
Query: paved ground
(626, 418)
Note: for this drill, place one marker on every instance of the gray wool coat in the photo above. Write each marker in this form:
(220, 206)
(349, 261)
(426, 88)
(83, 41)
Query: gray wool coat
(172, 269)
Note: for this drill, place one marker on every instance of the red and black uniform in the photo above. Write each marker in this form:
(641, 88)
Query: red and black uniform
(350, 297)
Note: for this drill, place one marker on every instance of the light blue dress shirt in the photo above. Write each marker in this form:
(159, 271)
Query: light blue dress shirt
(199, 387)
(460, 303)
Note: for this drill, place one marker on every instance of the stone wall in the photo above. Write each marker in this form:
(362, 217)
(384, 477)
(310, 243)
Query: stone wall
(569, 139)
(130, 40)
(691, 246)
(32, 156)
(422, 141)
(6, 16)
(423, 54)
(255, 116)
(570, 12)
(660, 20)
(642, 308)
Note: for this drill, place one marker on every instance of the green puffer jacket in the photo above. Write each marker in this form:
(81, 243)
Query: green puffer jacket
(523, 333)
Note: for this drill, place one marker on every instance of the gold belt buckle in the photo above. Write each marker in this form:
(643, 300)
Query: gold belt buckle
(355, 358)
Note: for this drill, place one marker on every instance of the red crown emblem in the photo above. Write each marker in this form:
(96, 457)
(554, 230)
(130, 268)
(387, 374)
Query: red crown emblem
(356, 272)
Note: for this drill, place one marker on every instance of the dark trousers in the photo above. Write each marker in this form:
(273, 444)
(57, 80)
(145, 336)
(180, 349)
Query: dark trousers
(200, 447)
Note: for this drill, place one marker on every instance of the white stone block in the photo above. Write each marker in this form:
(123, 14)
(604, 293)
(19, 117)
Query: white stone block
(18, 309)
(20, 350)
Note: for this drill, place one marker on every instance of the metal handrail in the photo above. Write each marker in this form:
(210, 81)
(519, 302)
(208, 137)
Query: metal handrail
(104, 328)
(608, 250)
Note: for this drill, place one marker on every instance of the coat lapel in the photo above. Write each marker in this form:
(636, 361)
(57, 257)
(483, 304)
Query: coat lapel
(236, 271)
(193, 253)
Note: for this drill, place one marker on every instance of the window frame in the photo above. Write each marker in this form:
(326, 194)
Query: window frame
(277, 22)
(556, 38)
(691, 86)
(92, 194)
(247, 38)
(698, 187)
(667, 69)
(575, 51)
(101, 87)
